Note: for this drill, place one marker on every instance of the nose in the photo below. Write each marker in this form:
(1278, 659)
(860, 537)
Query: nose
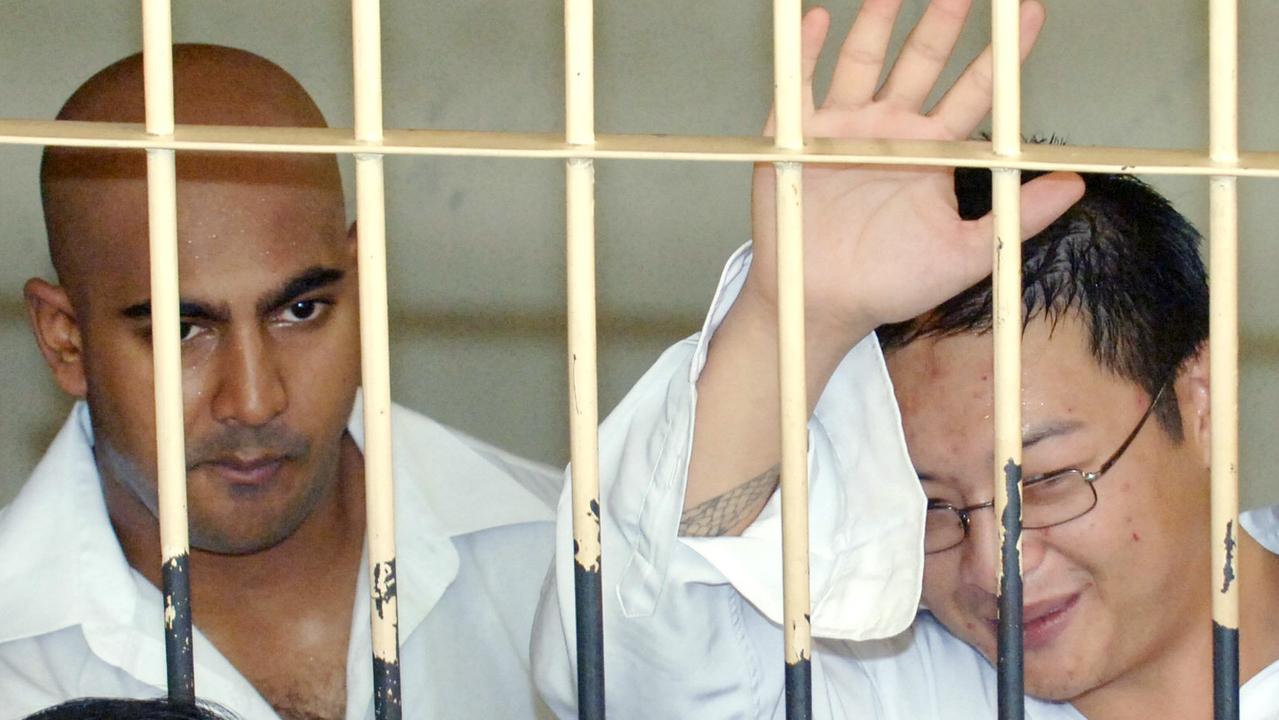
(250, 385)
(981, 559)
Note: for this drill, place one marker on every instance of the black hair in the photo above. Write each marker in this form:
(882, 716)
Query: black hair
(130, 709)
(1121, 257)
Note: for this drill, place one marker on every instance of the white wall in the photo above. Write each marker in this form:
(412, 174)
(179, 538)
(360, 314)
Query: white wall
(477, 270)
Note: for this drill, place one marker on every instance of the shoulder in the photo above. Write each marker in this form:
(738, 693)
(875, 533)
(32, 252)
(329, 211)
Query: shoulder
(464, 484)
(47, 669)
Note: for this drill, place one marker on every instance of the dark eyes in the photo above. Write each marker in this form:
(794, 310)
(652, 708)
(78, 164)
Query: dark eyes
(300, 311)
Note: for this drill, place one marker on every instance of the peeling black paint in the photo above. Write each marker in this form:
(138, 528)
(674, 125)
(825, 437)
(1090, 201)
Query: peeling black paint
(386, 689)
(1011, 681)
(383, 586)
(799, 690)
(1228, 568)
(590, 642)
(595, 509)
(1225, 672)
(175, 577)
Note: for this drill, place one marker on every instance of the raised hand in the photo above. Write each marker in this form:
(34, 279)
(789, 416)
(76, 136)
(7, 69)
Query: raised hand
(884, 244)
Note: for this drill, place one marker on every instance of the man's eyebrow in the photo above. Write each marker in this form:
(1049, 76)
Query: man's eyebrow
(1053, 429)
(192, 310)
(310, 279)
(1031, 437)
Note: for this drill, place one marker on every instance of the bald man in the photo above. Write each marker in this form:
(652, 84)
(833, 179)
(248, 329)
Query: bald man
(270, 355)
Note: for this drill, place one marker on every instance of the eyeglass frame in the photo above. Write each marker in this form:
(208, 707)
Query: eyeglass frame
(1089, 477)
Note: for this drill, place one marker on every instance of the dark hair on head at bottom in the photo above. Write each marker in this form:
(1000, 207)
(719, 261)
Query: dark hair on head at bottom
(1121, 257)
(131, 709)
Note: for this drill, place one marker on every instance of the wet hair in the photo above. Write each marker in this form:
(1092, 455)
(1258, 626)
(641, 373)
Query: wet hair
(1121, 257)
(129, 709)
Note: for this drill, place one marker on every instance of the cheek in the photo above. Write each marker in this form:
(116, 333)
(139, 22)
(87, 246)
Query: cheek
(120, 393)
(941, 579)
(322, 372)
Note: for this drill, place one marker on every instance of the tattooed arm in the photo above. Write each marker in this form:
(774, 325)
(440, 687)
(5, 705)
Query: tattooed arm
(731, 512)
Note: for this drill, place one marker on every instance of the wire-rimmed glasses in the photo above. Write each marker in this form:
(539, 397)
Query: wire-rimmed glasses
(1046, 500)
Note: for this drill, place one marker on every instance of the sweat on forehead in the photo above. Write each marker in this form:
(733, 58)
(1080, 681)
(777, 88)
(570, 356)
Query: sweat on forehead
(213, 85)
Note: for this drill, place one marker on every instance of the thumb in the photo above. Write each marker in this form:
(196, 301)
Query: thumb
(1046, 198)
(1043, 200)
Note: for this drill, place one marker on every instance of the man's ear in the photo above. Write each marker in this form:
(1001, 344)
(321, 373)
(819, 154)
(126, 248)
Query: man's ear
(1194, 401)
(57, 333)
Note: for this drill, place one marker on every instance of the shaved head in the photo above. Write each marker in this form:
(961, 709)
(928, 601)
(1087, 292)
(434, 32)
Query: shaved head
(213, 85)
(268, 304)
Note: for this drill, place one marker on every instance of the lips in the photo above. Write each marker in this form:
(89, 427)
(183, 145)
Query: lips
(1043, 621)
(252, 471)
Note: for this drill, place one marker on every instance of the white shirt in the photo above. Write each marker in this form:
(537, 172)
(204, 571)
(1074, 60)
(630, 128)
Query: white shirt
(692, 625)
(473, 539)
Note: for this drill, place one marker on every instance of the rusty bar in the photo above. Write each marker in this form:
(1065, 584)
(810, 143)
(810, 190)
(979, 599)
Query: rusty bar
(1007, 308)
(162, 214)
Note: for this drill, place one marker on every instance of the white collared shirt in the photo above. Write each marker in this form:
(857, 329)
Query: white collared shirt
(473, 538)
(692, 625)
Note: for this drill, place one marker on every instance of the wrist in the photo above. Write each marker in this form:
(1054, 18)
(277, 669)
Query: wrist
(828, 337)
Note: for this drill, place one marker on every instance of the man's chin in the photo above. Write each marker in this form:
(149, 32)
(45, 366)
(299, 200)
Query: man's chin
(231, 542)
(1056, 681)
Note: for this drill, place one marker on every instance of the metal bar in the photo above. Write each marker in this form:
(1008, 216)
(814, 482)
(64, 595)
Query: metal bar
(162, 217)
(1224, 356)
(689, 148)
(582, 360)
(789, 135)
(1006, 204)
(379, 478)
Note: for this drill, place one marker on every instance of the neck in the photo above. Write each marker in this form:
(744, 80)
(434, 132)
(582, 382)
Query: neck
(1179, 685)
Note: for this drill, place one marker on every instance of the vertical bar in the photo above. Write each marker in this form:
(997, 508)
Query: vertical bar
(375, 366)
(579, 129)
(162, 216)
(788, 108)
(1224, 356)
(1006, 204)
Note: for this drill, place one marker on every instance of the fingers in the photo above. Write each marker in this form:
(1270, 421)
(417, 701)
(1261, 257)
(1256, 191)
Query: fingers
(812, 31)
(813, 28)
(1045, 198)
(968, 100)
(861, 58)
(925, 53)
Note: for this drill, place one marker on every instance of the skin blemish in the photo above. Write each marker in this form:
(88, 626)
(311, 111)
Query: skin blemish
(1136, 537)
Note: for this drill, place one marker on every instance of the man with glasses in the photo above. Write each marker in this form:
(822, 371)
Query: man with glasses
(1046, 500)
(1115, 432)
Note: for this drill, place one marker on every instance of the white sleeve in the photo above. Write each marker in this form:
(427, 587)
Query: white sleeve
(687, 620)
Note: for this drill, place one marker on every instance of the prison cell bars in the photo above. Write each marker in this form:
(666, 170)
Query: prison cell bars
(162, 217)
(1223, 344)
(583, 410)
(375, 359)
(788, 105)
(369, 142)
(1006, 306)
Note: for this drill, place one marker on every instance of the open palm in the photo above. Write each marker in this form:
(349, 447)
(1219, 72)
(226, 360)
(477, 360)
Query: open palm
(884, 244)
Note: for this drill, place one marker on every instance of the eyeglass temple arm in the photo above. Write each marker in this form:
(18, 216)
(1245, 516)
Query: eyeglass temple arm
(1154, 402)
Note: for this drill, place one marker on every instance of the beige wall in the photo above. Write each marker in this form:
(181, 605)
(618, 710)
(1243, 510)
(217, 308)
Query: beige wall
(477, 271)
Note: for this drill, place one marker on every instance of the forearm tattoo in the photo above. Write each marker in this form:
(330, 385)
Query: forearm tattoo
(723, 512)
